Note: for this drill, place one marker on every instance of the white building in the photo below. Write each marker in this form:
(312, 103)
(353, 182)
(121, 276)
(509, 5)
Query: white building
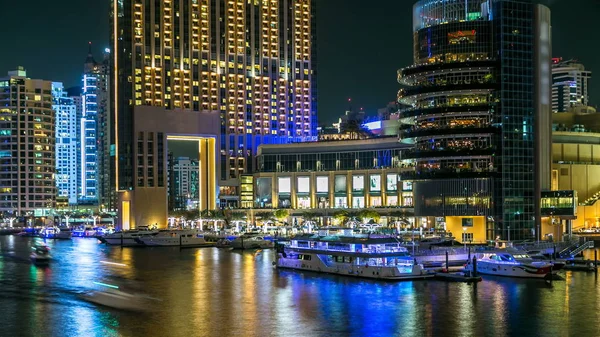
(66, 143)
(569, 85)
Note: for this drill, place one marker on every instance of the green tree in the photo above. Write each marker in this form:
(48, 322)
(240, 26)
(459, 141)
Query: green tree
(341, 216)
(368, 214)
(281, 214)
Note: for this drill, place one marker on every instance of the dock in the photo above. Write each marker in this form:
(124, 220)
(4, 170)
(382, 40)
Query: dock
(581, 265)
(457, 277)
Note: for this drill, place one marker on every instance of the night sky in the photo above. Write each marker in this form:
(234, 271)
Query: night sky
(360, 47)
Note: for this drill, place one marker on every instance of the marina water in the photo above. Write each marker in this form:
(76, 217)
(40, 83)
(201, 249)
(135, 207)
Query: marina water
(213, 292)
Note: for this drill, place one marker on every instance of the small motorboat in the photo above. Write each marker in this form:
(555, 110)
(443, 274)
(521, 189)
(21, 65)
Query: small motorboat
(40, 255)
(119, 297)
(28, 232)
(251, 241)
(556, 264)
(223, 243)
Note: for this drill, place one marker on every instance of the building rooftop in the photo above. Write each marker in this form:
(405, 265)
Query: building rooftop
(334, 146)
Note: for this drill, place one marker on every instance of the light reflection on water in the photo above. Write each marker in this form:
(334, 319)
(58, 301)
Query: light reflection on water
(211, 292)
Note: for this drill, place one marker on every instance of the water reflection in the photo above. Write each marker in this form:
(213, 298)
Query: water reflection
(211, 292)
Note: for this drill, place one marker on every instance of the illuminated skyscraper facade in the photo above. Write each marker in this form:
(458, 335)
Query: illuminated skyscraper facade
(569, 84)
(94, 133)
(66, 143)
(27, 144)
(252, 61)
(479, 114)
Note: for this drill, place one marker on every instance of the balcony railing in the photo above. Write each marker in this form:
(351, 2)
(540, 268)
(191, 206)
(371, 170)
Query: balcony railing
(427, 89)
(412, 154)
(445, 108)
(449, 174)
(406, 72)
(449, 130)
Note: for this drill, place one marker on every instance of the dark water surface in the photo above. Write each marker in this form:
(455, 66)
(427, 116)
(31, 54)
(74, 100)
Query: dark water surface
(212, 292)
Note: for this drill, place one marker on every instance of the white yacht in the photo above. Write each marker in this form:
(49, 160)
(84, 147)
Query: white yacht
(54, 232)
(512, 263)
(128, 238)
(251, 241)
(370, 256)
(176, 237)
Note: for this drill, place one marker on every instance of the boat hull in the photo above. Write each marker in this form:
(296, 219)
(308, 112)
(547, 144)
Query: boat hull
(40, 260)
(117, 300)
(126, 242)
(519, 271)
(372, 272)
(173, 242)
(238, 244)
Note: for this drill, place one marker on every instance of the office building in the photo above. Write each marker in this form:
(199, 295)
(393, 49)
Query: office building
(185, 183)
(569, 84)
(66, 143)
(94, 133)
(27, 144)
(479, 115)
(251, 62)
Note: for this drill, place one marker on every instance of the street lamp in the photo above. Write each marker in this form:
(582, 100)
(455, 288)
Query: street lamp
(465, 237)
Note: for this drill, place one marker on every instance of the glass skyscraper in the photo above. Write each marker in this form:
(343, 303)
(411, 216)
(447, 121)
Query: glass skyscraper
(66, 143)
(479, 113)
(94, 134)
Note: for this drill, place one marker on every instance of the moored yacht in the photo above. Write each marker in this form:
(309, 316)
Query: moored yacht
(370, 256)
(128, 238)
(177, 237)
(53, 232)
(251, 241)
(511, 263)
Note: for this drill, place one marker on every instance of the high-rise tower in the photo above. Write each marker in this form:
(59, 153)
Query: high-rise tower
(94, 133)
(27, 144)
(569, 84)
(66, 143)
(479, 115)
(252, 62)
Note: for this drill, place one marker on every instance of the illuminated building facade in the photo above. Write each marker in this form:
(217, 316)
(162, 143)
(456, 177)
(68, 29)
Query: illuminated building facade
(66, 143)
(253, 62)
(94, 133)
(185, 182)
(479, 114)
(27, 144)
(569, 85)
(327, 175)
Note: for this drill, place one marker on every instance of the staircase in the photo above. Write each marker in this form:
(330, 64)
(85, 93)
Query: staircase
(572, 251)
